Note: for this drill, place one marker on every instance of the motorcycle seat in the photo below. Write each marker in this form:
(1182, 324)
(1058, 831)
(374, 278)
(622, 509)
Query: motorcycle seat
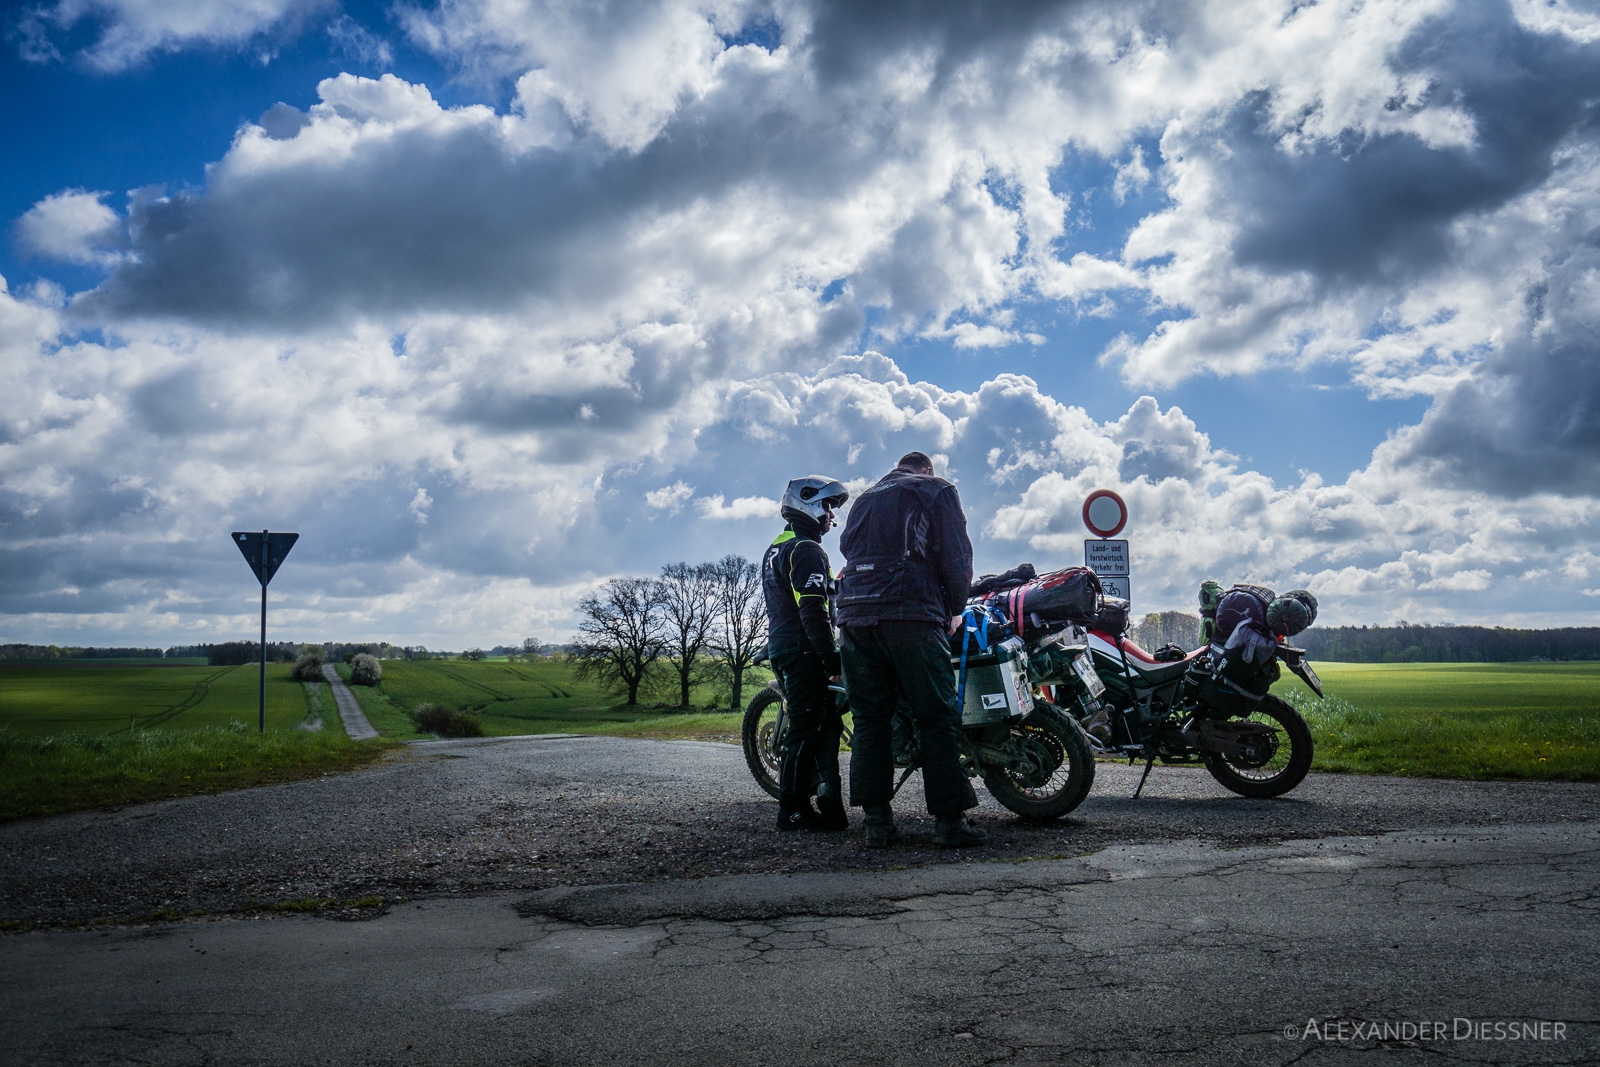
(1151, 671)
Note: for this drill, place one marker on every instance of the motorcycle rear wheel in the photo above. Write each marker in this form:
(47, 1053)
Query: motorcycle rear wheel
(1287, 766)
(1050, 728)
(760, 737)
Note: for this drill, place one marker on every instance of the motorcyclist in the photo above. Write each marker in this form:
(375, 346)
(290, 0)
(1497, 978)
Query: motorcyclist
(797, 581)
(901, 594)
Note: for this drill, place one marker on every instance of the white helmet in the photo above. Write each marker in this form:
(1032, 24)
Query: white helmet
(810, 495)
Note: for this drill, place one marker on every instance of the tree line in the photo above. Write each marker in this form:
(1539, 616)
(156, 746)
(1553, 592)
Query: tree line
(1421, 643)
(1403, 643)
(694, 623)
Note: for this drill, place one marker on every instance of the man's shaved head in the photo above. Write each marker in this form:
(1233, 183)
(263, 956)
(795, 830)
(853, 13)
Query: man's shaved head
(916, 463)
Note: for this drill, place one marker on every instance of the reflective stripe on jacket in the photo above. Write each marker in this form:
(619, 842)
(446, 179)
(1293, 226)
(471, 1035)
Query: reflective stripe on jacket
(797, 582)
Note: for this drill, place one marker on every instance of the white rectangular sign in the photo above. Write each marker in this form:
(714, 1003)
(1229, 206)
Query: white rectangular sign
(1106, 557)
(1115, 585)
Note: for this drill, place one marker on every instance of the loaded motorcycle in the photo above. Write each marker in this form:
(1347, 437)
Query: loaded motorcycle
(1191, 708)
(1032, 756)
(1061, 683)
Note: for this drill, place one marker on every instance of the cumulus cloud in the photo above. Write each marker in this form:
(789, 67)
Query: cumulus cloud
(670, 498)
(642, 291)
(74, 226)
(746, 507)
(129, 31)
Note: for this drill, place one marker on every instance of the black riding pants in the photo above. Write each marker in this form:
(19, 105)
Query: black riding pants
(814, 723)
(881, 663)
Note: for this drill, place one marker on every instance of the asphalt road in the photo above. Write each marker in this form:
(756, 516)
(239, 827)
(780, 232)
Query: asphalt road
(604, 901)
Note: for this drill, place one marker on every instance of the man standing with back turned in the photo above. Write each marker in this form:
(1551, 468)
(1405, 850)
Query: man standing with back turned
(901, 595)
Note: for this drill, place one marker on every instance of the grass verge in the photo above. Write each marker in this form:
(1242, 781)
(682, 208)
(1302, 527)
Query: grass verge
(47, 775)
(1471, 743)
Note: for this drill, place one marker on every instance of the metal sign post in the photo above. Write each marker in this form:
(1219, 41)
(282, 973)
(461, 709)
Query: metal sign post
(265, 553)
(1105, 514)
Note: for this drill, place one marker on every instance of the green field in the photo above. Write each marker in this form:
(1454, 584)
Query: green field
(83, 736)
(538, 696)
(1516, 720)
(78, 736)
(95, 699)
(1455, 720)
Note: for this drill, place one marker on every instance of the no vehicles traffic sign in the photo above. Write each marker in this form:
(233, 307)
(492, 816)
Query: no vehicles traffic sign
(1105, 514)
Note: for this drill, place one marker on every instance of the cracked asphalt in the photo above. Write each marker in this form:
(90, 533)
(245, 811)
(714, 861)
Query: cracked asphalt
(591, 900)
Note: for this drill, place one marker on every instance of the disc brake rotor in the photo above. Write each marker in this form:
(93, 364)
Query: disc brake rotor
(1043, 753)
(1260, 749)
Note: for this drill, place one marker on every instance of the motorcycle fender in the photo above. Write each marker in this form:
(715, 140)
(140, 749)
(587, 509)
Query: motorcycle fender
(1308, 676)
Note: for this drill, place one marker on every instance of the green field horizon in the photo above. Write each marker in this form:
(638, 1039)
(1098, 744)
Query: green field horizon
(110, 699)
(1537, 721)
(540, 696)
(1455, 720)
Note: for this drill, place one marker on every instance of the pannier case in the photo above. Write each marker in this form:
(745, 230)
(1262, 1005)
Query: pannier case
(997, 684)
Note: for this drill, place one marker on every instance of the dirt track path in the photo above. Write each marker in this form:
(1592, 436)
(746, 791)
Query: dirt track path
(350, 713)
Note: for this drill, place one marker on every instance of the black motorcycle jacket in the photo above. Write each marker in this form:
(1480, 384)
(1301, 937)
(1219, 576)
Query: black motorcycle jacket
(797, 582)
(907, 553)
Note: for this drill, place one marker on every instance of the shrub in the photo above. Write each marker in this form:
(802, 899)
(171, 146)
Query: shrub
(308, 667)
(442, 721)
(365, 670)
(474, 654)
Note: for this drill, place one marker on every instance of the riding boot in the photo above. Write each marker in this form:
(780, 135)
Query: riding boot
(794, 805)
(881, 831)
(828, 786)
(957, 832)
(830, 805)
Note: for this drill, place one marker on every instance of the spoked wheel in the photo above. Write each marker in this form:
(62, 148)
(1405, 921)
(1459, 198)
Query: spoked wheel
(1053, 771)
(763, 720)
(1280, 762)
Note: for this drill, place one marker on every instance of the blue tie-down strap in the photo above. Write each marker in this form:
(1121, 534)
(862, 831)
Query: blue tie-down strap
(974, 627)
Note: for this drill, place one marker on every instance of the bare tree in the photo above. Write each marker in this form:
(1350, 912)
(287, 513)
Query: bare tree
(740, 631)
(689, 611)
(530, 647)
(620, 634)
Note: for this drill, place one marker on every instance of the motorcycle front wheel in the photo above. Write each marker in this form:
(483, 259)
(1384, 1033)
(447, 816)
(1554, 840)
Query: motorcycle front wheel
(1059, 771)
(761, 720)
(1283, 769)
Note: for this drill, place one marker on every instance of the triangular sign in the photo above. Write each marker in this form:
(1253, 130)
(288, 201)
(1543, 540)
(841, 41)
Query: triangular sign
(265, 548)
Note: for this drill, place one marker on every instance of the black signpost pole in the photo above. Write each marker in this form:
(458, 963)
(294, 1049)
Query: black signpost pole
(264, 559)
(266, 551)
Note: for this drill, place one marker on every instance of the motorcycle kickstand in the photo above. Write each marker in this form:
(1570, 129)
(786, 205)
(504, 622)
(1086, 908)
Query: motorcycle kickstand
(903, 776)
(1151, 762)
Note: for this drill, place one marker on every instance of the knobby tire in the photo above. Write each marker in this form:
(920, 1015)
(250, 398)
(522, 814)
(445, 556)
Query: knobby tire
(1056, 730)
(761, 753)
(1260, 782)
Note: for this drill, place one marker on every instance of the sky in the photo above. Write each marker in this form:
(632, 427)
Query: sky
(492, 300)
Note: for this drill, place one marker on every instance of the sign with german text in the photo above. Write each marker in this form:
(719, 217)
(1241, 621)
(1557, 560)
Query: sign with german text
(1106, 557)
